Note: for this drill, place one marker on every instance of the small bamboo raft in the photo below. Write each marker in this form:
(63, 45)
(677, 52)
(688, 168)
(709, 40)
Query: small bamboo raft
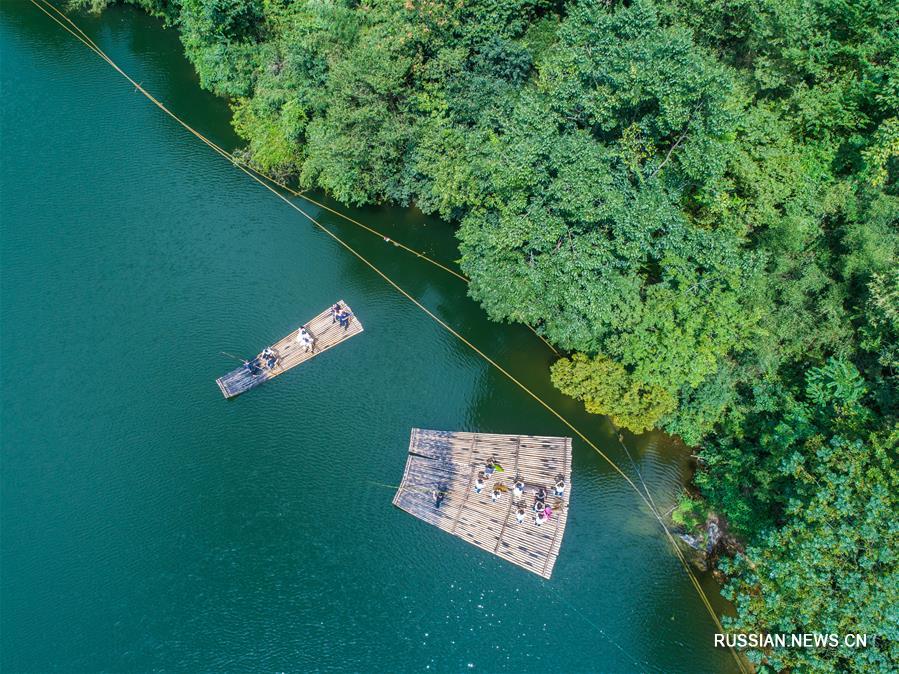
(448, 463)
(324, 330)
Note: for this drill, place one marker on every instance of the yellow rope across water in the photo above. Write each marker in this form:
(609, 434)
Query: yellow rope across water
(43, 5)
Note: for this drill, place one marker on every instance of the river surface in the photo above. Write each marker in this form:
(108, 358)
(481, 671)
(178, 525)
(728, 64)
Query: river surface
(149, 524)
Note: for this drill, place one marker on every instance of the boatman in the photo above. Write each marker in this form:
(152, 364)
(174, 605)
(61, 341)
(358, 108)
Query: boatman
(252, 367)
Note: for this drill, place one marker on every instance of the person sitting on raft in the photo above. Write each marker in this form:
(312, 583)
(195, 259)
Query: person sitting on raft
(541, 494)
(268, 355)
(539, 507)
(438, 497)
(548, 511)
(479, 485)
(334, 311)
(520, 515)
(305, 340)
(496, 494)
(560, 488)
(518, 489)
(539, 518)
(343, 318)
(493, 467)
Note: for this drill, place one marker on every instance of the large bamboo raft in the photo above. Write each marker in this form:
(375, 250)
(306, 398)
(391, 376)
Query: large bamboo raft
(291, 353)
(448, 462)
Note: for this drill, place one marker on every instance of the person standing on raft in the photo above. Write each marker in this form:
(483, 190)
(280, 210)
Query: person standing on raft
(252, 367)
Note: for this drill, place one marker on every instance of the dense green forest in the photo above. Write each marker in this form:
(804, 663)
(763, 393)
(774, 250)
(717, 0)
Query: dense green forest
(697, 201)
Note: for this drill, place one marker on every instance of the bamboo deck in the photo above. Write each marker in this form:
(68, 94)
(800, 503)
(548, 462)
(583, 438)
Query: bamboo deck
(450, 462)
(326, 334)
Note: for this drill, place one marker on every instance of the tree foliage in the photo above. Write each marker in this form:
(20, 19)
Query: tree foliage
(596, 381)
(827, 561)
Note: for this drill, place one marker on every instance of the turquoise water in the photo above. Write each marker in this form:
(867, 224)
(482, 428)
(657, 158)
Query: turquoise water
(148, 524)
